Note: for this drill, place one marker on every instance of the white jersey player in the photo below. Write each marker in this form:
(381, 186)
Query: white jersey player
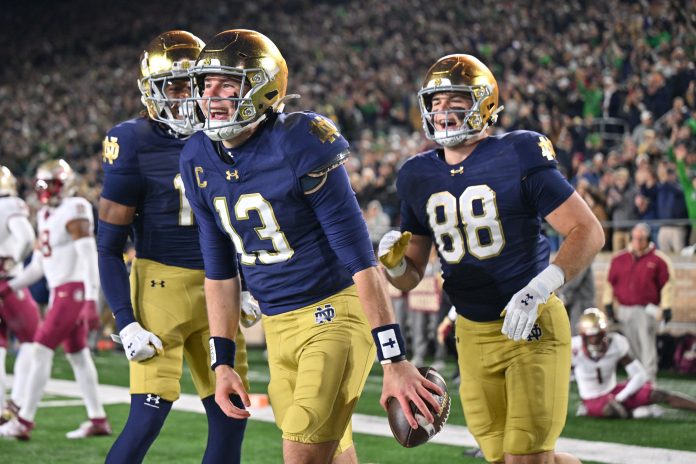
(19, 313)
(596, 357)
(66, 254)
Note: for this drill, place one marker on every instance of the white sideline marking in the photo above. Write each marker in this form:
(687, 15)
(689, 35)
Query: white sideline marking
(455, 435)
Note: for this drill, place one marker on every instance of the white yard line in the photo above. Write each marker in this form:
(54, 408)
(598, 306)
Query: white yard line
(456, 435)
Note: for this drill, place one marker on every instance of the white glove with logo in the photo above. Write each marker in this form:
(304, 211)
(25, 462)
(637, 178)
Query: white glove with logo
(251, 313)
(138, 343)
(391, 251)
(522, 310)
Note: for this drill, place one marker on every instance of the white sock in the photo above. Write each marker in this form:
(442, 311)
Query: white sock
(39, 373)
(21, 373)
(86, 376)
(3, 376)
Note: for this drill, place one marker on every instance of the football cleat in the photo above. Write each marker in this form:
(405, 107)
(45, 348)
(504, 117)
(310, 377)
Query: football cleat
(16, 428)
(90, 428)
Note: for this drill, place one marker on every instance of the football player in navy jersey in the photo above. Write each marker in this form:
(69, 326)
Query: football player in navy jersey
(273, 185)
(161, 312)
(481, 199)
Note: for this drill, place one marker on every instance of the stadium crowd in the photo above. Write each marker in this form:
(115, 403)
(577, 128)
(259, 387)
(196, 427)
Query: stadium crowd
(563, 71)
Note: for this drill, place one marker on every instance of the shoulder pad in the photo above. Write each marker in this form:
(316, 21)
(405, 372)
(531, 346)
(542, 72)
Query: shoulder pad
(534, 150)
(311, 141)
(119, 147)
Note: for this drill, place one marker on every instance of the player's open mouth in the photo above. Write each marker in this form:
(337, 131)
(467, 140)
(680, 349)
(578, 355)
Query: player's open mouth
(219, 114)
(450, 123)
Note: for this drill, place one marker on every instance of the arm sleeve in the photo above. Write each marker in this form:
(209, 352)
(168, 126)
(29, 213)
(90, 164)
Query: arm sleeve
(111, 240)
(24, 235)
(217, 248)
(87, 254)
(31, 274)
(339, 214)
(637, 378)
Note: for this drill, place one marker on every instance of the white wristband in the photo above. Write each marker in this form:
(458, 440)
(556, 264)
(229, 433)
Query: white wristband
(398, 270)
(548, 280)
(452, 314)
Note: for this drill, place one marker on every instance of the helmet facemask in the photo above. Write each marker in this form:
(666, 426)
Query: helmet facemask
(165, 84)
(466, 76)
(177, 113)
(252, 83)
(259, 72)
(471, 122)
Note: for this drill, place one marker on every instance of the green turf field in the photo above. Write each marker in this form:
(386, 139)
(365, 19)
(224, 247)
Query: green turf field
(183, 437)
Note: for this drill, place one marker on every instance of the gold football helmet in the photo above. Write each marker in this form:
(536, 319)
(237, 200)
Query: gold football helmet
(55, 180)
(592, 327)
(462, 74)
(165, 64)
(254, 60)
(8, 183)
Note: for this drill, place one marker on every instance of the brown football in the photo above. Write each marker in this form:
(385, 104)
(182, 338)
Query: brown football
(404, 434)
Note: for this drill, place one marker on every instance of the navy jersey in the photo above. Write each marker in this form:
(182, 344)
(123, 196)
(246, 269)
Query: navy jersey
(141, 169)
(286, 241)
(484, 215)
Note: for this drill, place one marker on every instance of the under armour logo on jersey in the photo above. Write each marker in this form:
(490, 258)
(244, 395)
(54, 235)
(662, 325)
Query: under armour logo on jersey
(324, 314)
(152, 400)
(154, 283)
(535, 334)
(525, 301)
(459, 170)
(232, 174)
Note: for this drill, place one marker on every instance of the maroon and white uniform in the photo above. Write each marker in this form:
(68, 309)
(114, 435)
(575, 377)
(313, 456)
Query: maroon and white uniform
(596, 378)
(71, 280)
(19, 312)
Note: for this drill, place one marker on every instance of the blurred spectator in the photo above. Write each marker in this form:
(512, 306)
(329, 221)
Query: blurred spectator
(378, 222)
(670, 205)
(621, 207)
(561, 69)
(686, 165)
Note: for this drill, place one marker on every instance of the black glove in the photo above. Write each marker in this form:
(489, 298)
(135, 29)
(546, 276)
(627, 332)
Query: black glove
(609, 310)
(667, 315)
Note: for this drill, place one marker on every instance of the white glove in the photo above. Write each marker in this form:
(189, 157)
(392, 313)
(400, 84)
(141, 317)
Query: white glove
(391, 251)
(251, 313)
(138, 343)
(522, 310)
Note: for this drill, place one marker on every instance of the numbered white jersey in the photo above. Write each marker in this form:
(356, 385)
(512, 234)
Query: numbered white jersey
(598, 377)
(57, 246)
(10, 207)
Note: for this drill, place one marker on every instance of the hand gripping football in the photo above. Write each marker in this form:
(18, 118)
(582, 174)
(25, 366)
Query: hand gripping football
(404, 434)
